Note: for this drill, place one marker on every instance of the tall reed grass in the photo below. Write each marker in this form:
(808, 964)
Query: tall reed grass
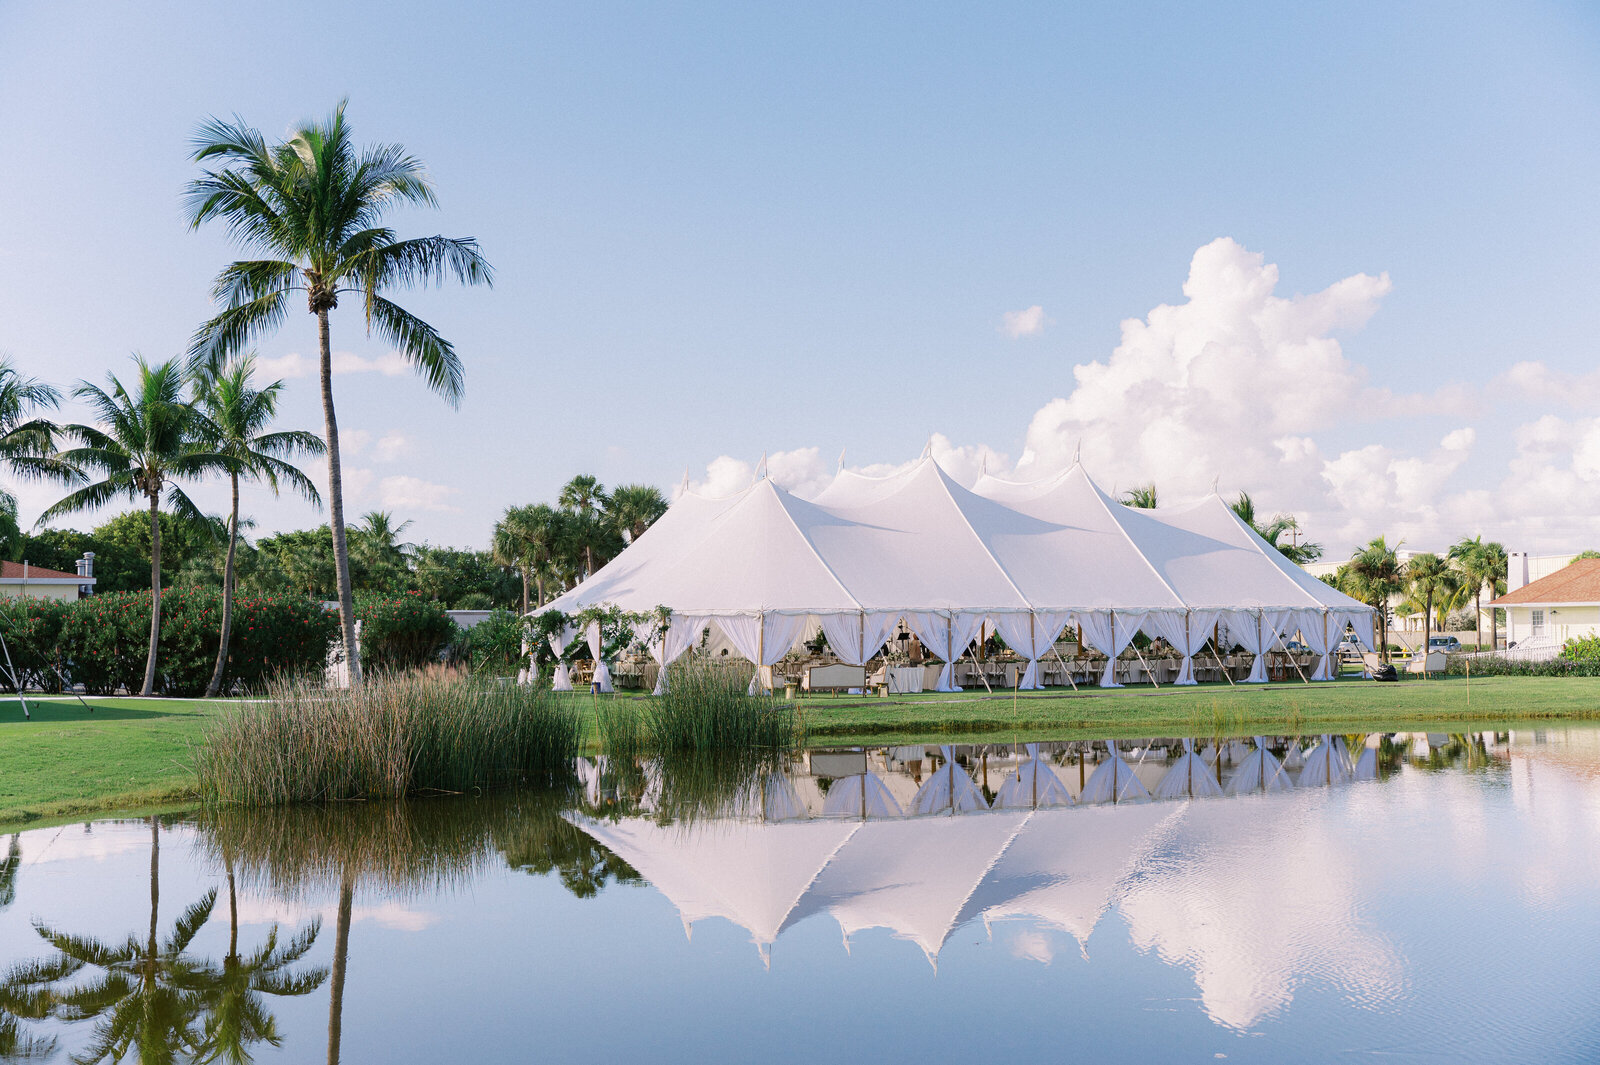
(394, 736)
(706, 708)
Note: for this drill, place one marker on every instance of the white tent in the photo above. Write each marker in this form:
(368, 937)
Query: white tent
(1327, 763)
(861, 796)
(1032, 559)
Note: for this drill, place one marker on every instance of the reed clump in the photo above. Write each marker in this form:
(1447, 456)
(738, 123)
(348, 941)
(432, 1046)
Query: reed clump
(396, 735)
(707, 708)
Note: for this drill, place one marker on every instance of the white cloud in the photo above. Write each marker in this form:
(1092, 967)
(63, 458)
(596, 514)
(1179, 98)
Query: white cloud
(1241, 384)
(413, 493)
(390, 446)
(1029, 322)
(294, 364)
(353, 441)
(357, 481)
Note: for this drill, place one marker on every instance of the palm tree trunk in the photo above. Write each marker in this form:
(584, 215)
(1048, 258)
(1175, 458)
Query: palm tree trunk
(341, 955)
(233, 913)
(1477, 613)
(539, 584)
(155, 596)
(1427, 631)
(341, 549)
(227, 594)
(524, 588)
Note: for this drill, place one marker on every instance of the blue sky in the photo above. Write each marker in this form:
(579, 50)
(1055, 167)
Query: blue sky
(721, 230)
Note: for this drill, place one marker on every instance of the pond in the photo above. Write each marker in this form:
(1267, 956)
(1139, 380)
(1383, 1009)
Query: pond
(1424, 896)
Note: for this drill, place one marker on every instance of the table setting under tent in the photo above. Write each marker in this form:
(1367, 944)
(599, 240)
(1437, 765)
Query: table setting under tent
(1079, 589)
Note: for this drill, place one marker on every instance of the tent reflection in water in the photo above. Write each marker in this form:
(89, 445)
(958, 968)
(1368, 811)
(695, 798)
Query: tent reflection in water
(1326, 763)
(1033, 786)
(863, 795)
(1113, 781)
(1189, 777)
(750, 873)
(948, 790)
(913, 876)
(1259, 771)
(1065, 868)
(1367, 764)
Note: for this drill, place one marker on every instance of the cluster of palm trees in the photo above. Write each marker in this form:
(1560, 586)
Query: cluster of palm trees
(1273, 530)
(1431, 584)
(167, 426)
(558, 546)
(309, 210)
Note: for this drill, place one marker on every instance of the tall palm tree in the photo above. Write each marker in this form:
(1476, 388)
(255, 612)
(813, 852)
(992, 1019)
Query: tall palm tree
(26, 440)
(312, 208)
(633, 508)
(152, 437)
(1484, 566)
(1272, 531)
(1374, 575)
(380, 536)
(584, 496)
(238, 416)
(1142, 497)
(1431, 580)
(527, 538)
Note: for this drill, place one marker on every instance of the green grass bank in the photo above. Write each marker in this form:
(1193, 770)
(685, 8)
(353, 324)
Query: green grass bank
(134, 753)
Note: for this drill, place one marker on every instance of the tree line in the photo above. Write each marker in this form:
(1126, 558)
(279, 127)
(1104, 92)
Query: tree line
(1431, 585)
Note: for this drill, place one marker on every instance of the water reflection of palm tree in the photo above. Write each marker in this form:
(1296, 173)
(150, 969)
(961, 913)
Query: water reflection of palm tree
(22, 994)
(236, 1016)
(147, 995)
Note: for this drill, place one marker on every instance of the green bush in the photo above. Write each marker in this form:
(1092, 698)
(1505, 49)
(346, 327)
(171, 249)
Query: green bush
(402, 632)
(1584, 650)
(494, 645)
(102, 642)
(1491, 666)
(32, 632)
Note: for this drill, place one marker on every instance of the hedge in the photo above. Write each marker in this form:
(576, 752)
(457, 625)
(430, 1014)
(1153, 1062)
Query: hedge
(101, 642)
(402, 632)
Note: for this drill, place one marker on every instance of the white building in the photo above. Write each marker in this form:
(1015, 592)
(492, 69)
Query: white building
(1558, 606)
(20, 580)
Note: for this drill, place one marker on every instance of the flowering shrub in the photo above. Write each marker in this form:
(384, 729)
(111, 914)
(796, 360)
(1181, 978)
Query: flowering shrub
(402, 632)
(32, 632)
(102, 642)
(1584, 650)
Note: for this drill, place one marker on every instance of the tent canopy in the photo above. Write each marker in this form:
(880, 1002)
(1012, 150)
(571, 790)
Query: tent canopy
(918, 542)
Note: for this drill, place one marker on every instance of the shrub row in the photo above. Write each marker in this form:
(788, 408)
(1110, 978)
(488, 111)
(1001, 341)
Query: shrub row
(102, 642)
(1501, 667)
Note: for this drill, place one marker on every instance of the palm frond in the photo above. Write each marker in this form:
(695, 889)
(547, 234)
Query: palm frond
(430, 354)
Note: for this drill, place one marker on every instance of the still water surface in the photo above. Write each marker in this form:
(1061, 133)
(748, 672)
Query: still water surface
(1446, 907)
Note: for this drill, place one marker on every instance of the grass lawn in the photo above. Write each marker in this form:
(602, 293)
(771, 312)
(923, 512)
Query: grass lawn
(1206, 710)
(127, 753)
(132, 753)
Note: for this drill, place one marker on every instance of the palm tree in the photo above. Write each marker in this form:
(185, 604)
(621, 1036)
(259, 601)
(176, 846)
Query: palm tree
(1431, 579)
(1484, 565)
(1272, 531)
(312, 206)
(528, 538)
(237, 417)
(380, 536)
(584, 496)
(25, 440)
(152, 438)
(1142, 497)
(633, 508)
(1374, 575)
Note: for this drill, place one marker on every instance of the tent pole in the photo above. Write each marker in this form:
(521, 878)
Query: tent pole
(979, 665)
(1033, 649)
(1292, 662)
(761, 646)
(1064, 668)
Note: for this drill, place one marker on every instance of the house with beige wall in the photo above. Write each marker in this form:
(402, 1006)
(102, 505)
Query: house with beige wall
(19, 580)
(1561, 605)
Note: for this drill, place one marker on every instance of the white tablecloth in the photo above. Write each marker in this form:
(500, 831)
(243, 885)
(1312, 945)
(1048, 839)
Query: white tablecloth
(904, 680)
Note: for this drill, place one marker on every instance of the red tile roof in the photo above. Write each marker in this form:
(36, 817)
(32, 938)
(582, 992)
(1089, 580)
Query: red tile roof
(13, 571)
(1575, 583)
